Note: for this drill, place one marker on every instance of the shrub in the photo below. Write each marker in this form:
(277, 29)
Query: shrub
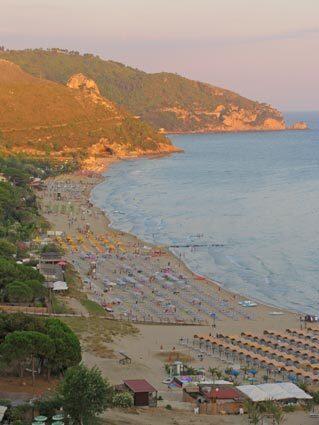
(289, 408)
(124, 399)
(7, 249)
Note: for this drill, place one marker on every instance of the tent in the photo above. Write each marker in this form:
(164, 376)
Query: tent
(276, 391)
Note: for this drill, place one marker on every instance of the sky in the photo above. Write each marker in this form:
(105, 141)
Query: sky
(267, 50)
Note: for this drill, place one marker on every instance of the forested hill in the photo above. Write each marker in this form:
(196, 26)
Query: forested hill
(41, 117)
(165, 100)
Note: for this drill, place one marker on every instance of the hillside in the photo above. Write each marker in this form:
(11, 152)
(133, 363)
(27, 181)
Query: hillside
(166, 101)
(42, 117)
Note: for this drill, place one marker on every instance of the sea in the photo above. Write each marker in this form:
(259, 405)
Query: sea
(240, 208)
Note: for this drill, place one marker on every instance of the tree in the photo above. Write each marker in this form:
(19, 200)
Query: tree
(10, 272)
(16, 348)
(41, 347)
(22, 346)
(84, 394)
(215, 372)
(26, 338)
(7, 249)
(38, 290)
(254, 414)
(19, 292)
(67, 346)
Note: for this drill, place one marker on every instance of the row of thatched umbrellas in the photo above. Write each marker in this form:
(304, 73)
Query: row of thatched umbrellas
(274, 352)
(256, 358)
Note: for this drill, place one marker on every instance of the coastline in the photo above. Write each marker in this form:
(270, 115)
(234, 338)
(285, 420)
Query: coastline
(204, 278)
(232, 130)
(259, 317)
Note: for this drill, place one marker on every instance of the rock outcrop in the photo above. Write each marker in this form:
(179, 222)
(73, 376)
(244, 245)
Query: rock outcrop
(80, 81)
(299, 125)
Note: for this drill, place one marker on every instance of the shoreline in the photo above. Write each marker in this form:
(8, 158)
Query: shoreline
(208, 279)
(228, 310)
(251, 130)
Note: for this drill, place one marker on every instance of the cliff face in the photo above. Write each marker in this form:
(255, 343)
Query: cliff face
(41, 117)
(225, 119)
(167, 101)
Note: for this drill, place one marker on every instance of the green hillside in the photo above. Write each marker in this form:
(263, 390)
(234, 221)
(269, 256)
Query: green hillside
(165, 100)
(37, 115)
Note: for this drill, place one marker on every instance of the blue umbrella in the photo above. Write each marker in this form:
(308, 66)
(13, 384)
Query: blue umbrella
(292, 378)
(234, 372)
(252, 371)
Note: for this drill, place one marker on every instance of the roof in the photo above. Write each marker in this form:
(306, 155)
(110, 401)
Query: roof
(59, 286)
(278, 391)
(225, 394)
(139, 386)
(214, 382)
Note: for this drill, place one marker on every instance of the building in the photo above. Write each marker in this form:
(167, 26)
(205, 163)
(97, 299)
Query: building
(144, 394)
(284, 392)
(214, 400)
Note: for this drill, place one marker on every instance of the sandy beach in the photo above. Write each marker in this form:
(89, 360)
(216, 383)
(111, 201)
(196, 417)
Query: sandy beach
(89, 239)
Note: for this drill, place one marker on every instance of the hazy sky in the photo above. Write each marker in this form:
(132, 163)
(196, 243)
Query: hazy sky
(264, 49)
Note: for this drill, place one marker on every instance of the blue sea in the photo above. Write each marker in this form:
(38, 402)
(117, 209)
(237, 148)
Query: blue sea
(256, 194)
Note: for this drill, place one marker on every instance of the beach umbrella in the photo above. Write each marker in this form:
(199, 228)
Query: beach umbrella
(234, 372)
(40, 419)
(58, 417)
(252, 371)
(292, 378)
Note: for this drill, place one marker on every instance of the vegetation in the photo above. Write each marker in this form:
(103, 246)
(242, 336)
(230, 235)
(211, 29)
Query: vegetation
(45, 346)
(93, 307)
(96, 333)
(257, 412)
(164, 100)
(45, 118)
(46, 343)
(124, 399)
(215, 372)
(84, 394)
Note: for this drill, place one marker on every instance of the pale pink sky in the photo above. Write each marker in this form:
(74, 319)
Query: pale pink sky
(264, 49)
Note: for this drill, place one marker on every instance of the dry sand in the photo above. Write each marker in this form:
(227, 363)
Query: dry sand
(147, 347)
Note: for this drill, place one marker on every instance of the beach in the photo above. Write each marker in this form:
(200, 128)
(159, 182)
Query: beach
(73, 214)
(115, 253)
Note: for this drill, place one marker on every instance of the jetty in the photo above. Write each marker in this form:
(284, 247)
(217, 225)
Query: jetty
(196, 245)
